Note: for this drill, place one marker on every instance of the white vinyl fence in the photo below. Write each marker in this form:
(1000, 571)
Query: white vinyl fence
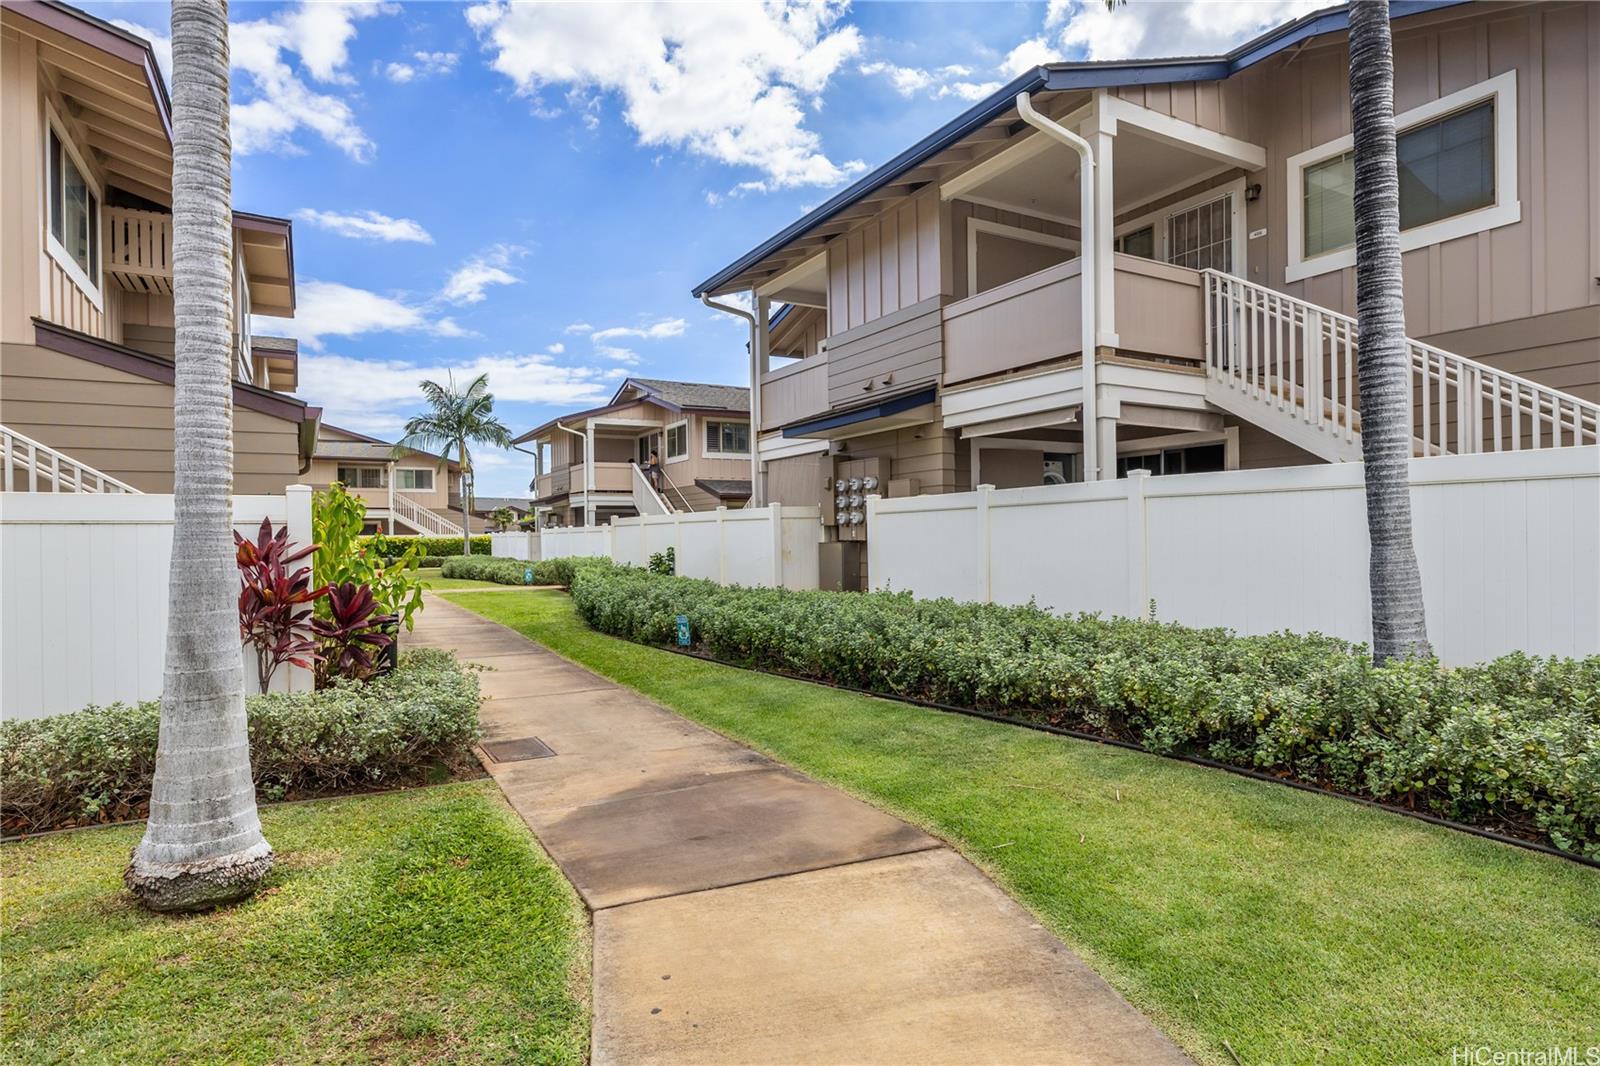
(518, 545)
(83, 595)
(1508, 544)
(773, 547)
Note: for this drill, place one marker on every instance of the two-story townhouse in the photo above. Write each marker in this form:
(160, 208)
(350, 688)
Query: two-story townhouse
(592, 466)
(86, 326)
(933, 318)
(410, 492)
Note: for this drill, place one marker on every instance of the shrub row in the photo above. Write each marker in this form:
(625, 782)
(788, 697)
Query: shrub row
(1513, 744)
(512, 571)
(95, 765)
(387, 547)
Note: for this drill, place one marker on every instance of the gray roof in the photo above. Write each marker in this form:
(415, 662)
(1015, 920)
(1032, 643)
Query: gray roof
(725, 488)
(485, 504)
(694, 394)
(369, 451)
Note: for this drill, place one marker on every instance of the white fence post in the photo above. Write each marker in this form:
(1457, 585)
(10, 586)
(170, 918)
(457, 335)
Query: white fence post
(775, 512)
(985, 538)
(1138, 540)
(722, 546)
(872, 554)
(298, 520)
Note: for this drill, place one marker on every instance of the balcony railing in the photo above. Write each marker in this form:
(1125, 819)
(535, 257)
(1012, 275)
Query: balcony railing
(138, 249)
(794, 392)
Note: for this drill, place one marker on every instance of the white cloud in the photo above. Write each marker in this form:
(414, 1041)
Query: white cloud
(1087, 29)
(420, 65)
(367, 225)
(489, 267)
(953, 80)
(626, 356)
(280, 103)
(556, 348)
(730, 82)
(329, 309)
(579, 327)
(666, 327)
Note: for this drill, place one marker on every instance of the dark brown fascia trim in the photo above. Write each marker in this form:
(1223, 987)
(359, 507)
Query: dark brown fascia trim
(56, 338)
(574, 416)
(353, 433)
(271, 224)
(96, 33)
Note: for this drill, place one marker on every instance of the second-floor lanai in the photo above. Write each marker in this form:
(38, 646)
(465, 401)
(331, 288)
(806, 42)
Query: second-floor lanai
(594, 465)
(936, 308)
(86, 311)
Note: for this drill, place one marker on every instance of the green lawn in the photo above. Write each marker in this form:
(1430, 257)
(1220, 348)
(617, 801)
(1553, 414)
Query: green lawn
(431, 578)
(423, 926)
(1296, 927)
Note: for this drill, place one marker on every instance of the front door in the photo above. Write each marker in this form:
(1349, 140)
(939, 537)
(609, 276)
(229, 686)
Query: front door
(650, 442)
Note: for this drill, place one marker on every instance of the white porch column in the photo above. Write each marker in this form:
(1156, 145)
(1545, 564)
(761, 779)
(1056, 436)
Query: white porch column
(588, 474)
(389, 474)
(1106, 436)
(761, 362)
(1100, 130)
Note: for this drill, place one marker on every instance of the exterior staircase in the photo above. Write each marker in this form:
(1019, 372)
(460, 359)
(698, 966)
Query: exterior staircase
(1289, 367)
(422, 519)
(33, 467)
(646, 500)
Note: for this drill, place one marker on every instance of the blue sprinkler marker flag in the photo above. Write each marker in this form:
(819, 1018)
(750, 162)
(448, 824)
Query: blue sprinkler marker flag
(683, 630)
(527, 575)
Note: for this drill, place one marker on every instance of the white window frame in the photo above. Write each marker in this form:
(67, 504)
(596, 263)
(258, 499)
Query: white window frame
(976, 226)
(55, 248)
(717, 454)
(414, 471)
(666, 442)
(1506, 209)
(1158, 217)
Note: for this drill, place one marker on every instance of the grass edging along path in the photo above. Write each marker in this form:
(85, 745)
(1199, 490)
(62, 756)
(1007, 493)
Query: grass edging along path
(1295, 926)
(416, 926)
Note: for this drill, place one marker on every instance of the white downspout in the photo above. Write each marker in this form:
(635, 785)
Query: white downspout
(1086, 273)
(588, 474)
(758, 491)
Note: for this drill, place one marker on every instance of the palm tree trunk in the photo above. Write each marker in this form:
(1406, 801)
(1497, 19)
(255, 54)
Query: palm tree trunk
(1399, 628)
(466, 497)
(203, 844)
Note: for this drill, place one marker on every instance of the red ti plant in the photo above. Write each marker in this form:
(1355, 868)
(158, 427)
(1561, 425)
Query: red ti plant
(274, 615)
(352, 633)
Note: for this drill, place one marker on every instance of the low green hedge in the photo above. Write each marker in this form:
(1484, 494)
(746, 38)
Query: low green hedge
(95, 765)
(393, 547)
(1513, 744)
(512, 571)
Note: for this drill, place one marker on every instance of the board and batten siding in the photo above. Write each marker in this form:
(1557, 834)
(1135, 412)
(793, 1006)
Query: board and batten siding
(889, 262)
(1546, 262)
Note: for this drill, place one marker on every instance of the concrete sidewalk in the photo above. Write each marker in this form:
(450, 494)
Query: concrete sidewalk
(744, 913)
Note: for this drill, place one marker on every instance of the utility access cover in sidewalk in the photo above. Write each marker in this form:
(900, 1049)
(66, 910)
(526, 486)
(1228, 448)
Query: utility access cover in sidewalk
(517, 750)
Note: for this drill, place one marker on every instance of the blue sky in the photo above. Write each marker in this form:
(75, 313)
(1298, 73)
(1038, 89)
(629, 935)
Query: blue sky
(532, 190)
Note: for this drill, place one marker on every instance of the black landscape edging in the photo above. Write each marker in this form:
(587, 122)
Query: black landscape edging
(1196, 760)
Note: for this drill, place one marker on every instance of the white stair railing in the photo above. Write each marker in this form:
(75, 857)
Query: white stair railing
(1301, 359)
(646, 500)
(420, 517)
(673, 490)
(37, 462)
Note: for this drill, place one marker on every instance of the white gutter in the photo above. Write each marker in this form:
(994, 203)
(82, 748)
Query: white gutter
(588, 473)
(1086, 273)
(758, 491)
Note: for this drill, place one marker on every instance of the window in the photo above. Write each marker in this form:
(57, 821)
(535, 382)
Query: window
(74, 214)
(1141, 242)
(1458, 176)
(1197, 459)
(362, 477)
(727, 438)
(677, 441)
(414, 480)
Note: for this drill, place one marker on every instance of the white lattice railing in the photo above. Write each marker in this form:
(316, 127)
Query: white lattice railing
(1301, 359)
(420, 517)
(27, 463)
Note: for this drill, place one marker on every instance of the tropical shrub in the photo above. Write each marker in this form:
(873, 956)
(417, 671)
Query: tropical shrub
(514, 571)
(391, 547)
(663, 562)
(95, 765)
(351, 633)
(273, 616)
(1512, 744)
(346, 557)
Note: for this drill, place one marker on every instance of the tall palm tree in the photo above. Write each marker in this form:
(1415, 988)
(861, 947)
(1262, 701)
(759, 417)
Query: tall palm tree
(459, 417)
(202, 845)
(1399, 628)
